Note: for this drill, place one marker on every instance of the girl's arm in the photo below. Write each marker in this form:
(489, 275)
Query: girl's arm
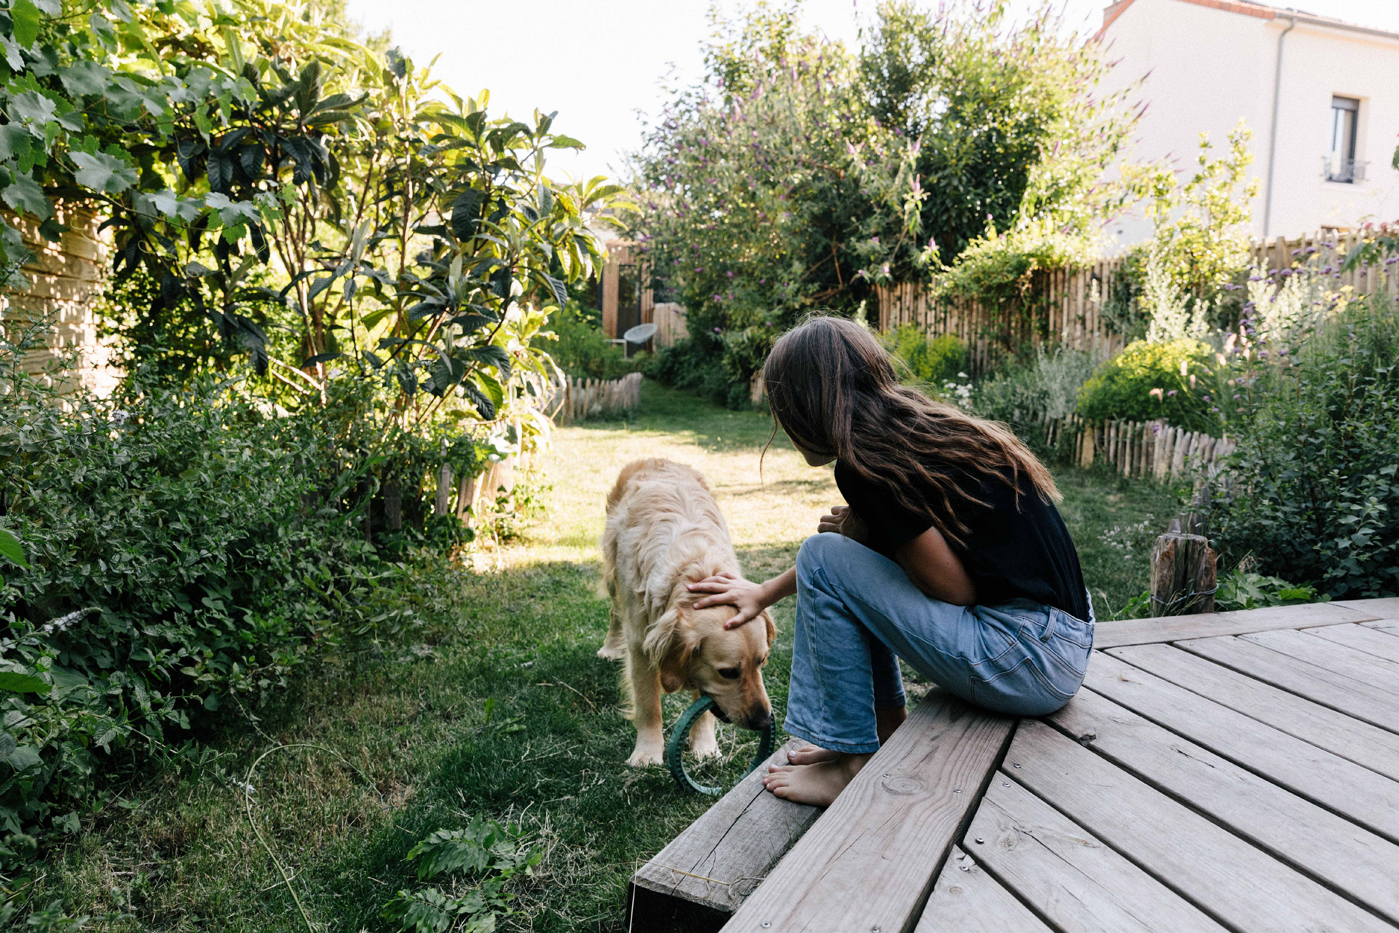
(934, 569)
(749, 598)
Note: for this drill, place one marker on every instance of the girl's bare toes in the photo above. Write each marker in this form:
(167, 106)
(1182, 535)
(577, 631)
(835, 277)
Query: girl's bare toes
(810, 754)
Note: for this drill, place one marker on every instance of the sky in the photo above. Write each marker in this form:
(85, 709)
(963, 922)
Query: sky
(601, 63)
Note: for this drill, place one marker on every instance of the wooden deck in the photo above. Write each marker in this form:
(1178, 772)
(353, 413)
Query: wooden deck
(1225, 772)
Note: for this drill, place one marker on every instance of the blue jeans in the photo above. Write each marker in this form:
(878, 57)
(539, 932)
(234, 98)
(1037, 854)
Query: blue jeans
(858, 613)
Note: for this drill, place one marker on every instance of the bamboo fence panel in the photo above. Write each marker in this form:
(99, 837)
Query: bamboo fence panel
(1065, 305)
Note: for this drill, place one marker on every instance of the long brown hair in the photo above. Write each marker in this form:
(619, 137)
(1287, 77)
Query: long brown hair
(833, 389)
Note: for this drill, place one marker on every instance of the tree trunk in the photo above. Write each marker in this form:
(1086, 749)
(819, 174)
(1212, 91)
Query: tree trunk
(1182, 575)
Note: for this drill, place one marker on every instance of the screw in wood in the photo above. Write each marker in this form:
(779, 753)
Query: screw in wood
(766, 924)
(965, 867)
(1005, 783)
(1016, 765)
(957, 790)
(886, 773)
(980, 840)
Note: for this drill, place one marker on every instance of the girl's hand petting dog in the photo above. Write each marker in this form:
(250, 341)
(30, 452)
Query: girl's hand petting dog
(727, 589)
(843, 520)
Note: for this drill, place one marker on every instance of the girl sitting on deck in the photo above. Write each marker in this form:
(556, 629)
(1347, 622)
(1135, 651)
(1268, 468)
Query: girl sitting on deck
(949, 554)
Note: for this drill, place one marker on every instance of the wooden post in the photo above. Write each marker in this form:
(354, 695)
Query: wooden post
(1182, 575)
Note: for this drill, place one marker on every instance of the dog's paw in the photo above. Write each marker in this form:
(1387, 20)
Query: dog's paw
(610, 653)
(645, 756)
(707, 747)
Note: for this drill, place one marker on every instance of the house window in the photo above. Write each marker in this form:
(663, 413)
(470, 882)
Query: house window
(1340, 162)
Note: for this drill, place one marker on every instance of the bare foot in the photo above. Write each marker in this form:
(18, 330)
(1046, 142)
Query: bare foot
(811, 754)
(816, 784)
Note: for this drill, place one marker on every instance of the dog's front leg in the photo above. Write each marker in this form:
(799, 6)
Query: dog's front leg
(646, 709)
(703, 742)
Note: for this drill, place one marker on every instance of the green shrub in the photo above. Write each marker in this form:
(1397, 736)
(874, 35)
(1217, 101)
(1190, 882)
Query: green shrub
(1147, 381)
(183, 548)
(1024, 393)
(1242, 589)
(480, 862)
(1315, 494)
(583, 350)
(932, 362)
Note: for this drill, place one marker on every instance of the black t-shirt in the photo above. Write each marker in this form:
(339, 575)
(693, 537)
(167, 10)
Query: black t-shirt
(1007, 551)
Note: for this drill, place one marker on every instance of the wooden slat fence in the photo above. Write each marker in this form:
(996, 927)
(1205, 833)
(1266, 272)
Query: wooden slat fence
(1141, 449)
(1065, 306)
(671, 324)
(577, 399)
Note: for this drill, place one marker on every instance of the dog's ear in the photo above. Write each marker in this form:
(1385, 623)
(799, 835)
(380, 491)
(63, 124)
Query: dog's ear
(771, 629)
(671, 645)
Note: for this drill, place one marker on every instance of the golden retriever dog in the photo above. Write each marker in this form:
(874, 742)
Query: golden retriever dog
(664, 530)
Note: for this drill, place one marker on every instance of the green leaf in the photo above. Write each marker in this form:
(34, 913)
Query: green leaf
(16, 682)
(14, 141)
(84, 77)
(565, 142)
(25, 194)
(11, 548)
(102, 172)
(25, 16)
(559, 289)
(466, 213)
(23, 758)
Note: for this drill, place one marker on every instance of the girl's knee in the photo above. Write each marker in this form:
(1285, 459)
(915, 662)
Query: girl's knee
(816, 551)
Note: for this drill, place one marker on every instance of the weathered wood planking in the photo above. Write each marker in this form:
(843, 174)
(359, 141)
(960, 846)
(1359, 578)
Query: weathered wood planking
(1079, 884)
(871, 859)
(1304, 646)
(1386, 607)
(1387, 626)
(698, 881)
(1340, 785)
(967, 900)
(1343, 735)
(1329, 688)
(1233, 881)
(1361, 638)
(1174, 628)
(1327, 847)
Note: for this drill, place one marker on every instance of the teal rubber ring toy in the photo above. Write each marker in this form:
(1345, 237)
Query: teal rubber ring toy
(681, 736)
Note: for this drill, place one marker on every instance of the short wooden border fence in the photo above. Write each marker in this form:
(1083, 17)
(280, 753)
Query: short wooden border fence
(577, 399)
(1139, 449)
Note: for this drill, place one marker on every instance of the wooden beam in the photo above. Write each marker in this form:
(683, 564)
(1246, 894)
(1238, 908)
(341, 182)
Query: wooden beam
(1078, 883)
(707, 871)
(1327, 847)
(1330, 780)
(1152, 631)
(1384, 608)
(1351, 739)
(1236, 883)
(967, 900)
(1329, 688)
(871, 860)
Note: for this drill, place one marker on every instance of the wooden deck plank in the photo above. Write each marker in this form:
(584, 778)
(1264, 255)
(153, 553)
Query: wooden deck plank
(1205, 625)
(967, 900)
(1386, 607)
(707, 871)
(1342, 735)
(871, 859)
(1329, 848)
(1238, 884)
(1358, 793)
(1387, 626)
(1361, 638)
(1304, 646)
(1079, 884)
(1329, 688)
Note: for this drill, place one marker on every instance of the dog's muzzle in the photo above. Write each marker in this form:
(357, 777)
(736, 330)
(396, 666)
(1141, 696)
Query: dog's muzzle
(719, 714)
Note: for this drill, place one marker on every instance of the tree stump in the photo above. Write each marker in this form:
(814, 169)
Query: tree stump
(1182, 575)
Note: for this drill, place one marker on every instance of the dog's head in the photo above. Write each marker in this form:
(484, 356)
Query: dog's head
(692, 649)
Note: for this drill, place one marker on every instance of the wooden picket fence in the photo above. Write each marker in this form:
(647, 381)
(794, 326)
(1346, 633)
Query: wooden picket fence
(1065, 305)
(576, 399)
(1140, 449)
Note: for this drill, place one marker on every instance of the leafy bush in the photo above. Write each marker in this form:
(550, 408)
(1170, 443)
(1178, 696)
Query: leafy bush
(1315, 494)
(180, 548)
(1242, 589)
(584, 350)
(932, 362)
(1024, 393)
(1153, 380)
(484, 856)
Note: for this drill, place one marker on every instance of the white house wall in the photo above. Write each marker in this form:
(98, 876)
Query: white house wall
(1203, 69)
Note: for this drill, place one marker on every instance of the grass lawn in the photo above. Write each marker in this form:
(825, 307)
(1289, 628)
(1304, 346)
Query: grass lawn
(503, 710)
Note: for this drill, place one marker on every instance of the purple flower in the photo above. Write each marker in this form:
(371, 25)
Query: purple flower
(1170, 393)
(730, 273)
(1205, 397)
(717, 331)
